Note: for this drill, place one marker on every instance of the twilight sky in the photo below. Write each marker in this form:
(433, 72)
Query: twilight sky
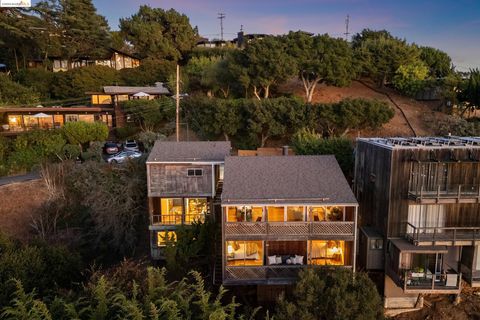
(450, 25)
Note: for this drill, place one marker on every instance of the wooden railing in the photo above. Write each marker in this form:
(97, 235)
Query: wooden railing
(419, 234)
(416, 282)
(175, 219)
(465, 191)
(293, 228)
(265, 273)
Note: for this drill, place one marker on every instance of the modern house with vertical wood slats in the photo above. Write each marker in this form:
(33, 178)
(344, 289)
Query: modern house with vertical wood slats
(420, 208)
(183, 179)
(282, 214)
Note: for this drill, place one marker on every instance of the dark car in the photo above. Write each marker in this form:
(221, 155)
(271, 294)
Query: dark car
(110, 148)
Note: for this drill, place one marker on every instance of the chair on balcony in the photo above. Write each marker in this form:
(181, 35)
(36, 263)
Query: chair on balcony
(259, 219)
(315, 218)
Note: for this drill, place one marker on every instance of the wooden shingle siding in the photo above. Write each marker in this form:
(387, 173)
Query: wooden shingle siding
(171, 180)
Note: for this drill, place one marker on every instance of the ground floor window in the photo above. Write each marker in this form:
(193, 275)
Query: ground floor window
(15, 122)
(244, 253)
(329, 252)
(163, 237)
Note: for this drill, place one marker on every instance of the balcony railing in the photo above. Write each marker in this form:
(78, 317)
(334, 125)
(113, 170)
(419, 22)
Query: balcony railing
(442, 192)
(293, 228)
(438, 234)
(265, 273)
(175, 219)
(427, 282)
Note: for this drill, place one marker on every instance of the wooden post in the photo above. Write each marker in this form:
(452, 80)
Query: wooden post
(355, 240)
(177, 100)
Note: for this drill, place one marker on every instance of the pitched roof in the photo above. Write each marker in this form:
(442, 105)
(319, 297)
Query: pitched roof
(189, 151)
(285, 179)
(157, 89)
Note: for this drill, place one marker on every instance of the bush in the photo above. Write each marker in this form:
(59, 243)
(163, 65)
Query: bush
(409, 79)
(150, 114)
(331, 294)
(12, 92)
(38, 79)
(307, 142)
(149, 72)
(81, 133)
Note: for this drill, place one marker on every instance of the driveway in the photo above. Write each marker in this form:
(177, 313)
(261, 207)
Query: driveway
(19, 178)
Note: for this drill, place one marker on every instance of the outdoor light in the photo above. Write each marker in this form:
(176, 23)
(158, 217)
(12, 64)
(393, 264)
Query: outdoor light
(230, 249)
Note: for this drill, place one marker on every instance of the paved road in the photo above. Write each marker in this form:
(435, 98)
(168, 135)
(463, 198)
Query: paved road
(19, 178)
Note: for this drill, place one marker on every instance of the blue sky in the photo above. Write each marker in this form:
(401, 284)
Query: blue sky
(450, 25)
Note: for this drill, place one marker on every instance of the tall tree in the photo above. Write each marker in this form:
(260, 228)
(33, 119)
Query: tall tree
(438, 62)
(321, 59)
(266, 63)
(160, 34)
(469, 95)
(85, 33)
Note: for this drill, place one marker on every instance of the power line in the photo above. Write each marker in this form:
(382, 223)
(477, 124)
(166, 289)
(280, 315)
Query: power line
(221, 16)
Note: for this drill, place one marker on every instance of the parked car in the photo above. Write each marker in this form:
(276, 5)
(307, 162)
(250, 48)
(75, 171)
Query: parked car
(110, 148)
(123, 156)
(131, 145)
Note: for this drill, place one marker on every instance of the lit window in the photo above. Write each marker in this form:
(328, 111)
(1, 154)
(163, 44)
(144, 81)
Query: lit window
(163, 237)
(195, 210)
(244, 253)
(171, 210)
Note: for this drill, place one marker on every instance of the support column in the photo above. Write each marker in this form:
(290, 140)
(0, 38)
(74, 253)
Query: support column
(355, 241)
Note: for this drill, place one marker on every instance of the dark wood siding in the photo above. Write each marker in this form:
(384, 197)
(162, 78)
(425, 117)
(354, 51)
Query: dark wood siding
(171, 180)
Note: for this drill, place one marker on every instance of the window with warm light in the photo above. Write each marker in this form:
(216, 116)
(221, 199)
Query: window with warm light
(195, 210)
(327, 213)
(276, 214)
(171, 210)
(245, 214)
(295, 213)
(15, 122)
(327, 252)
(244, 253)
(163, 237)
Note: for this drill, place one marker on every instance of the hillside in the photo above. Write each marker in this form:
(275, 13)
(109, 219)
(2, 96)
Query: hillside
(414, 111)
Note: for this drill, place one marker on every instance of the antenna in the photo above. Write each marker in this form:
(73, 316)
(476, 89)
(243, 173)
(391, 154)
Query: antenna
(347, 22)
(221, 16)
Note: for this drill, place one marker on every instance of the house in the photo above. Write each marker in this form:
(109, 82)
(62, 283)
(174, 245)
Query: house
(184, 179)
(16, 120)
(111, 96)
(114, 59)
(419, 213)
(284, 213)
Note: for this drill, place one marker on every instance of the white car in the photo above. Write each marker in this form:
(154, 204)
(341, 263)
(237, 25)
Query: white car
(130, 145)
(123, 156)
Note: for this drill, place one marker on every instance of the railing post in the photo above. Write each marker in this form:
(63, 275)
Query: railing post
(459, 192)
(438, 192)
(454, 236)
(433, 281)
(405, 281)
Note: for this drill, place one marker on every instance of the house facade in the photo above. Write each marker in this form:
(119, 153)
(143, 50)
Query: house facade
(420, 212)
(183, 179)
(284, 213)
(17, 120)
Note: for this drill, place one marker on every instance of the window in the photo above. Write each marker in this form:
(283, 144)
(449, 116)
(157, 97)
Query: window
(245, 213)
(171, 210)
(195, 172)
(244, 253)
(86, 117)
(195, 210)
(332, 213)
(165, 236)
(376, 244)
(71, 118)
(295, 213)
(327, 252)
(15, 122)
(276, 214)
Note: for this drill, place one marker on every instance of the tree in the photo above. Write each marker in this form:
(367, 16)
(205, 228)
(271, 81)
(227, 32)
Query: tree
(150, 114)
(321, 59)
(148, 73)
(342, 296)
(81, 133)
(469, 95)
(159, 34)
(380, 55)
(409, 79)
(438, 62)
(84, 32)
(12, 92)
(265, 62)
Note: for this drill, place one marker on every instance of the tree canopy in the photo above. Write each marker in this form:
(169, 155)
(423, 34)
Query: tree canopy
(158, 33)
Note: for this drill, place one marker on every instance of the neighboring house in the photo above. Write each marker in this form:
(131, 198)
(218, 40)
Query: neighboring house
(16, 120)
(420, 214)
(113, 95)
(183, 179)
(114, 59)
(282, 214)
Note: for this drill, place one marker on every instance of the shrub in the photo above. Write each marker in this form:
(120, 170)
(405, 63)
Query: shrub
(331, 294)
(150, 114)
(409, 79)
(81, 133)
(12, 92)
(38, 79)
(149, 72)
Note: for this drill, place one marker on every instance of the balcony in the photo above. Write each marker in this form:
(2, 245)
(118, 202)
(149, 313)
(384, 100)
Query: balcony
(264, 274)
(426, 282)
(449, 236)
(341, 230)
(461, 193)
(158, 220)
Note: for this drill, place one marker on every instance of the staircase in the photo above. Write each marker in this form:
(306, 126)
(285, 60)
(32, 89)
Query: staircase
(217, 269)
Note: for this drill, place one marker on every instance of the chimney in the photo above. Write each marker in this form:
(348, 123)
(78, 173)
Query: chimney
(285, 150)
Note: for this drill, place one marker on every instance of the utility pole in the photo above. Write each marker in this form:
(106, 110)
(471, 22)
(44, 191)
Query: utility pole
(347, 22)
(177, 100)
(221, 16)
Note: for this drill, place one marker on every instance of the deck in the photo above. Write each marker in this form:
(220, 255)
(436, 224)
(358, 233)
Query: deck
(448, 236)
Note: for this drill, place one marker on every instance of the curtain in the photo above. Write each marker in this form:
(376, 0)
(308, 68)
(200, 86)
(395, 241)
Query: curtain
(426, 216)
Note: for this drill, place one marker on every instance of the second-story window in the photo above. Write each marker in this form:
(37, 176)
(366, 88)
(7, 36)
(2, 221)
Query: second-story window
(194, 172)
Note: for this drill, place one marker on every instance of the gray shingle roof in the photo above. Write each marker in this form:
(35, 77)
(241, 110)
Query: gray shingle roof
(158, 89)
(285, 179)
(189, 151)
